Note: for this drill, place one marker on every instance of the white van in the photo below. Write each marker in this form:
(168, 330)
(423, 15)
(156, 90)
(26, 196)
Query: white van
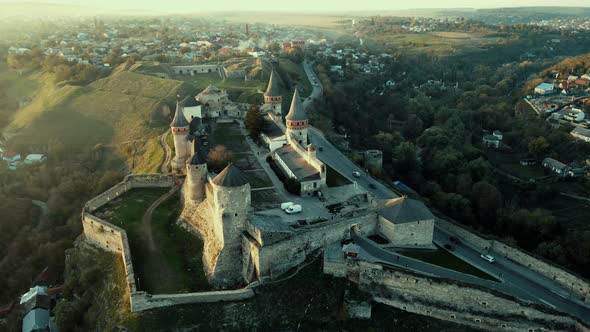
(488, 258)
(294, 209)
(286, 205)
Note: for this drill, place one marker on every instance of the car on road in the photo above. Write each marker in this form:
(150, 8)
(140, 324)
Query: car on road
(454, 240)
(356, 174)
(321, 149)
(488, 258)
(372, 186)
(449, 247)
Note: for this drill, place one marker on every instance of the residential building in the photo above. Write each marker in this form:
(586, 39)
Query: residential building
(581, 134)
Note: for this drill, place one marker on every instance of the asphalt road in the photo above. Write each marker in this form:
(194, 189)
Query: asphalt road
(517, 280)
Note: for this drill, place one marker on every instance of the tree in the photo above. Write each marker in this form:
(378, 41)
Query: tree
(254, 121)
(413, 127)
(538, 146)
(218, 158)
(405, 158)
(487, 200)
(63, 73)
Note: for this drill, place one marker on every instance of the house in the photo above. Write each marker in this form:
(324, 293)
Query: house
(491, 141)
(544, 88)
(556, 166)
(581, 134)
(35, 158)
(273, 135)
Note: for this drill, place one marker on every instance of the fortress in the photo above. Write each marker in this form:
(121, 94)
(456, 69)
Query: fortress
(241, 245)
(245, 246)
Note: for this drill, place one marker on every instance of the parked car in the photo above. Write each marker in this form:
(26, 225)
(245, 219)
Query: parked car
(372, 186)
(449, 247)
(488, 258)
(320, 149)
(293, 209)
(454, 240)
(286, 205)
(356, 174)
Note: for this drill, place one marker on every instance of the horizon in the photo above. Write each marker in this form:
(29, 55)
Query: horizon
(302, 6)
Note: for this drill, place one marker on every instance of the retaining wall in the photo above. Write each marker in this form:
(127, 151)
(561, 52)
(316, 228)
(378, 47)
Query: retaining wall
(455, 301)
(577, 285)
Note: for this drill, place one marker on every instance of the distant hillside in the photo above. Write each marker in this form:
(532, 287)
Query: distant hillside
(518, 14)
(122, 111)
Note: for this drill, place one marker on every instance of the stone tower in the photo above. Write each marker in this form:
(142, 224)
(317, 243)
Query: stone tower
(272, 95)
(180, 130)
(196, 173)
(231, 203)
(297, 121)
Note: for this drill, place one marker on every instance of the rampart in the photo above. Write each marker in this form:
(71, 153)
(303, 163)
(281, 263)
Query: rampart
(576, 285)
(114, 239)
(277, 258)
(455, 301)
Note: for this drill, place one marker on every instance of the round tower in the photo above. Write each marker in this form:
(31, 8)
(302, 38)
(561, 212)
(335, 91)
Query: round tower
(231, 192)
(180, 131)
(296, 121)
(272, 95)
(196, 175)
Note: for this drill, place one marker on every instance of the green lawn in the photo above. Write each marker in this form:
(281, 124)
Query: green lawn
(510, 163)
(334, 178)
(443, 258)
(175, 266)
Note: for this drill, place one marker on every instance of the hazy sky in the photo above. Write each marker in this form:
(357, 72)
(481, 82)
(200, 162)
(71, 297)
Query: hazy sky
(302, 5)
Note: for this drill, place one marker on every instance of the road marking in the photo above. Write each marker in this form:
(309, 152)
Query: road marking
(561, 295)
(547, 303)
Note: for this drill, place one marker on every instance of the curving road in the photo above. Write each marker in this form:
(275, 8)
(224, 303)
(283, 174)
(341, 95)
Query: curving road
(167, 151)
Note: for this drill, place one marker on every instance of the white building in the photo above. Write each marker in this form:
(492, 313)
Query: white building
(544, 88)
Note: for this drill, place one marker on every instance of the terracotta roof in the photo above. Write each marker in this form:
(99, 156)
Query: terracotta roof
(296, 112)
(231, 176)
(179, 118)
(273, 86)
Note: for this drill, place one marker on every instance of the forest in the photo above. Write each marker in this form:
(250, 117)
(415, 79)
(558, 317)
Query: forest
(431, 138)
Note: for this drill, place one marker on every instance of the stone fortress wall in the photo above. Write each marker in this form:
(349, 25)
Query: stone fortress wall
(577, 285)
(278, 258)
(196, 69)
(114, 239)
(451, 300)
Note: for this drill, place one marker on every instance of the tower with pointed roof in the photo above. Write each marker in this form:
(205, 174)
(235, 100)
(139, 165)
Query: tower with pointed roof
(231, 203)
(196, 173)
(272, 95)
(180, 131)
(296, 121)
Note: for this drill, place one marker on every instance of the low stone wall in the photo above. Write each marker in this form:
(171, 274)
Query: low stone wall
(577, 285)
(142, 301)
(455, 301)
(131, 181)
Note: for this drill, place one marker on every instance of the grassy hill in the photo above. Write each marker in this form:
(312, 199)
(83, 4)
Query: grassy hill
(122, 111)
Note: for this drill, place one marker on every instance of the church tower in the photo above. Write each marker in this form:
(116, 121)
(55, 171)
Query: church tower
(272, 95)
(180, 131)
(297, 121)
(196, 173)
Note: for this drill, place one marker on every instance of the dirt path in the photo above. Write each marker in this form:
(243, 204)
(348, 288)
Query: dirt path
(146, 221)
(167, 152)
